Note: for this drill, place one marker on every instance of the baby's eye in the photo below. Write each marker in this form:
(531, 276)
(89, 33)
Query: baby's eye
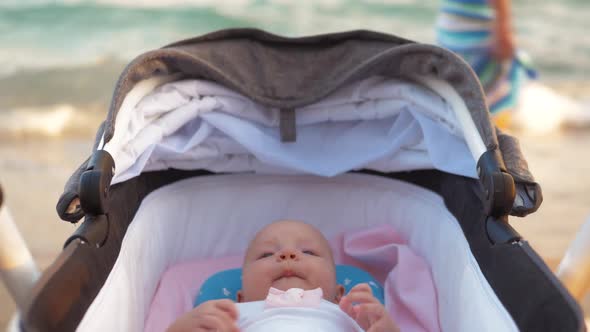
(309, 252)
(264, 255)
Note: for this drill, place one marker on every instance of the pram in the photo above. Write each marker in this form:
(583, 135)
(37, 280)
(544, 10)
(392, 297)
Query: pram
(450, 194)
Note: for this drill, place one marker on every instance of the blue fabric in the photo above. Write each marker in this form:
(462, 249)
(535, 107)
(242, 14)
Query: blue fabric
(226, 284)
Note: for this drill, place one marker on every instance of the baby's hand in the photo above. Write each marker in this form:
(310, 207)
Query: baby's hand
(217, 315)
(367, 311)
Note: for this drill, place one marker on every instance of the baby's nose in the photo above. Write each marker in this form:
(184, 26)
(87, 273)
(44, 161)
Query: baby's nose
(288, 255)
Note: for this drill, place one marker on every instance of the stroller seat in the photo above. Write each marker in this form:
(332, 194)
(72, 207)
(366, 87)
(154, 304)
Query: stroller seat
(216, 216)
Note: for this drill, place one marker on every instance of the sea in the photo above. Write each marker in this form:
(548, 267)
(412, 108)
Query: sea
(60, 59)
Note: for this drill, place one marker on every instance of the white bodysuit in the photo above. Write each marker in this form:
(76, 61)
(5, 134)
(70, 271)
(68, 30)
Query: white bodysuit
(328, 317)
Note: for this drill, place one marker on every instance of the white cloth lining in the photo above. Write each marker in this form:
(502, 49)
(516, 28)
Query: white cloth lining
(216, 216)
(382, 124)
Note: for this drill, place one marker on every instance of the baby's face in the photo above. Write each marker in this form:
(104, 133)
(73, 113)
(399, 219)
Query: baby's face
(288, 254)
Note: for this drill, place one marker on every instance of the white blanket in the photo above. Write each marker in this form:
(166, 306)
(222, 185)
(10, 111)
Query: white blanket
(382, 124)
(328, 317)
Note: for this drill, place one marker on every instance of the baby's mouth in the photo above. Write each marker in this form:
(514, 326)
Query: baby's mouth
(288, 273)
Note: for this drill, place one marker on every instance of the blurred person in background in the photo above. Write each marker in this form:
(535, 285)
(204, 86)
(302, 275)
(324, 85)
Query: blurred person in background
(480, 31)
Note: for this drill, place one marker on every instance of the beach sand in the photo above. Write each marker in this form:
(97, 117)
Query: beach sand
(34, 171)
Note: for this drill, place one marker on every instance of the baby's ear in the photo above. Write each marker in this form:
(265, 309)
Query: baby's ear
(240, 296)
(339, 293)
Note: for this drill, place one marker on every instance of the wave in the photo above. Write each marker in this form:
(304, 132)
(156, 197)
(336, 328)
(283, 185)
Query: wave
(122, 3)
(63, 35)
(190, 3)
(78, 85)
(55, 121)
(542, 109)
(57, 102)
(40, 34)
(61, 58)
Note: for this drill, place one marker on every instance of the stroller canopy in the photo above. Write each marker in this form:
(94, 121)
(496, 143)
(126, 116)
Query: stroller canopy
(287, 75)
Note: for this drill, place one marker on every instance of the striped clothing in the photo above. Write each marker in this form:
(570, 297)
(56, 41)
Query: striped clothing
(466, 28)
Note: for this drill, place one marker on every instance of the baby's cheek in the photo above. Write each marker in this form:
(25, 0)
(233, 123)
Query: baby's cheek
(255, 287)
(327, 281)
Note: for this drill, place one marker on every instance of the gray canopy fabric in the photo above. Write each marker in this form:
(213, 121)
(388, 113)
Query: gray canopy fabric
(293, 72)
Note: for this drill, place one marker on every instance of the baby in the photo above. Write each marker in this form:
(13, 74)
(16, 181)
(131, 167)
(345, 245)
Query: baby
(286, 259)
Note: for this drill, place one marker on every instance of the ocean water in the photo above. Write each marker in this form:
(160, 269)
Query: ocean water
(62, 57)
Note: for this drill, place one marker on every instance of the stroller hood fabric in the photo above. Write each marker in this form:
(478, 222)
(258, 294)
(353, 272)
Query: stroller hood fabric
(286, 73)
(387, 125)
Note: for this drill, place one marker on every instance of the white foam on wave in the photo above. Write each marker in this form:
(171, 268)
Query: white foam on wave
(46, 121)
(166, 3)
(542, 110)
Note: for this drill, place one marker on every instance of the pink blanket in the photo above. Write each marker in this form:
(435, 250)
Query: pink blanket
(410, 294)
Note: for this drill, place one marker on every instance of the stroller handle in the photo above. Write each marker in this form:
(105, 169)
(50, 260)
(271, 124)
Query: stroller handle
(499, 186)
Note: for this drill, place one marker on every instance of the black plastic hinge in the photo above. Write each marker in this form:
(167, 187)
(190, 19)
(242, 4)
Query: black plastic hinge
(95, 182)
(498, 185)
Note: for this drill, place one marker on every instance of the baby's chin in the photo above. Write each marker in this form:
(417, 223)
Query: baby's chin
(286, 283)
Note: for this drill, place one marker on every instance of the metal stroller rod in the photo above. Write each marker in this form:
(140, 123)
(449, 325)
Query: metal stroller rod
(574, 268)
(17, 267)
